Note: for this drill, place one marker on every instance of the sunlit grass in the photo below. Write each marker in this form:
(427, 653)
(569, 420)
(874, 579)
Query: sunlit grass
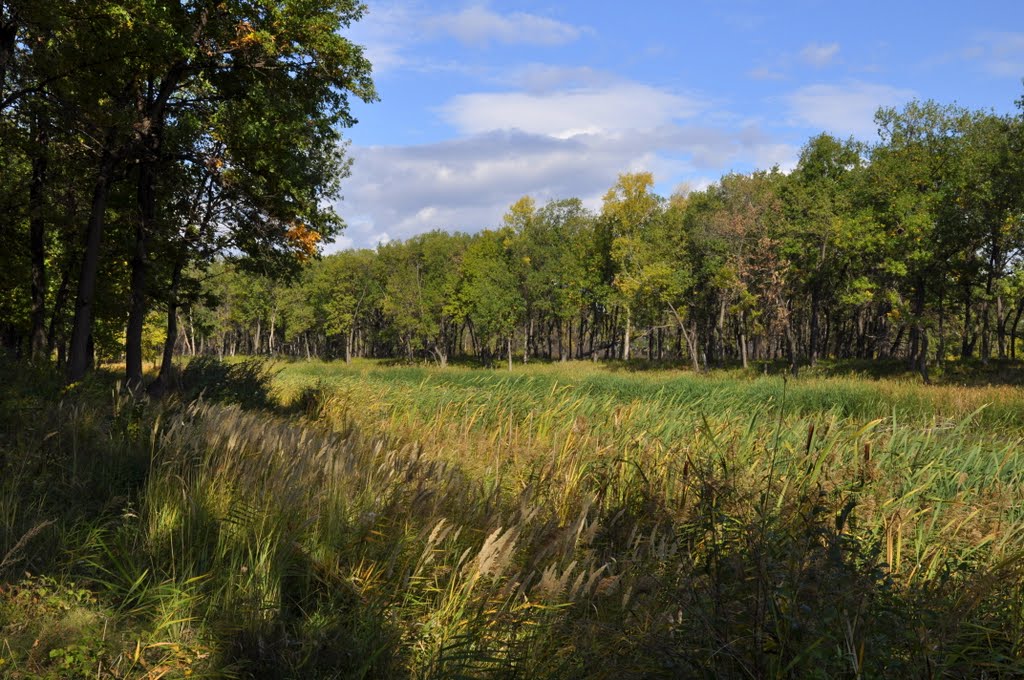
(556, 521)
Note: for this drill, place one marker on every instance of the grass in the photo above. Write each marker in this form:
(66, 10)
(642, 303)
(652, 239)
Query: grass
(556, 521)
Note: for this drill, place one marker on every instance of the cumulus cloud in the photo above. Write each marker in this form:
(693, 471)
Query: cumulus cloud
(478, 25)
(847, 109)
(567, 113)
(395, 33)
(819, 55)
(467, 184)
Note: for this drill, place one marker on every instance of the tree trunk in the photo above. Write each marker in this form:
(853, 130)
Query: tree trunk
(510, 352)
(986, 340)
(626, 338)
(918, 339)
(1013, 329)
(1001, 319)
(81, 332)
(966, 347)
(140, 266)
(718, 348)
(692, 345)
(880, 344)
(8, 41)
(791, 349)
(159, 386)
(812, 349)
(37, 244)
(743, 338)
(940, 352)
(59, 301)
(529, 339)
(923, 358)
(273, 331)
(568, 339)
(147, 141)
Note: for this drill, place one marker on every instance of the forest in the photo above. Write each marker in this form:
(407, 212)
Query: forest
(908, 249)
(187, 213)
(144, 140)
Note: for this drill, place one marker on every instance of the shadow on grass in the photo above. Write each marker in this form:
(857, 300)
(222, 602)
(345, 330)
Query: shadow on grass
(85, 590)
(322, 628)
(246, 383)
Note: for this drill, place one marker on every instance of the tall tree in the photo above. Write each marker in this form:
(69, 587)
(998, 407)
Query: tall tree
(630, 208)
(913, 170)
(820, 237)
(280, 74)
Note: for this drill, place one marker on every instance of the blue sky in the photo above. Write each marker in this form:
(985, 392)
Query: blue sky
(484, 102)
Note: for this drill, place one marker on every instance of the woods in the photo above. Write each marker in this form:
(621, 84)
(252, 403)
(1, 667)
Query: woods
(172, 194)
(908, 249)
(142, 140)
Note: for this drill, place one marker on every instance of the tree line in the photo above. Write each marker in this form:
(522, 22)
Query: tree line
(909, 248)
(169, 167)
(143, 140)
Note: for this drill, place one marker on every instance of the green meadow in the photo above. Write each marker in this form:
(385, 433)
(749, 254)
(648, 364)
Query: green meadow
(576, 520)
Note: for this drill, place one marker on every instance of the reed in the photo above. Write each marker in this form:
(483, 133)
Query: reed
(561, 521)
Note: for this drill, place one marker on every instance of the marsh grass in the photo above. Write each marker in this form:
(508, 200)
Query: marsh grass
(561, 521)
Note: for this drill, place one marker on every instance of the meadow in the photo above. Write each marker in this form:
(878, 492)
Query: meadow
(311, 519)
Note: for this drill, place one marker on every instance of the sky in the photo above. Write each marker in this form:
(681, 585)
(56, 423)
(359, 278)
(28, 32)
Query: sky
(484, 102)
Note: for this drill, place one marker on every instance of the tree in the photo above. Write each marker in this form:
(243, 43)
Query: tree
(820, 239)
(343, 290)
(271, 80)
(912, 172)
(418, 291)
(490, 291)
(630, 209)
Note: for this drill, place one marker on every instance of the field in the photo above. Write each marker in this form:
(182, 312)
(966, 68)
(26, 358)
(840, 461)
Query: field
(565, 520)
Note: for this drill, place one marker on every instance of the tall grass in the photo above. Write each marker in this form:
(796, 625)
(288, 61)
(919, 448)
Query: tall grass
(556, 522)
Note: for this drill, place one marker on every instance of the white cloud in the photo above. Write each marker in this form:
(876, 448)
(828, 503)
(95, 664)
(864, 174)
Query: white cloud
(567, 113)
(847, 109)
(765, 73)
(340, 243)
(997, 53)
(395, 34)
(467, 184)
(1001, 54)
(819, 55)
(381, 33)
(477, 25)
(538, 78)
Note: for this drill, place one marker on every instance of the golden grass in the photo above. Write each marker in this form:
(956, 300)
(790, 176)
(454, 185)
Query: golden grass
(562, 521)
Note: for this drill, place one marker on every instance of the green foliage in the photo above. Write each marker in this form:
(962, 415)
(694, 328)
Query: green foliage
(167, 134)
(907, 249)
(489, 290)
